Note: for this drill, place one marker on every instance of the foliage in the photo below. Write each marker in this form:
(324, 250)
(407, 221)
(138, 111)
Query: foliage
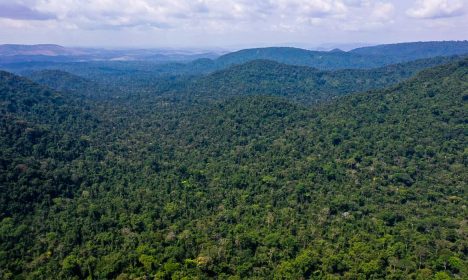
(303, 84)
(366, 186)
(416, 50)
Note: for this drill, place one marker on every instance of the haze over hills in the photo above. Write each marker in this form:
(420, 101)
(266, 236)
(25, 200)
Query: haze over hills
(298, 83)
(11, 53)
(257, 140)
(367, 57)
(304, 83)
(295, 56)
(42, 49)
(172, 189)
(416, 50)
(68, 83)
(268, 77)
(153, 76)
(271, 163)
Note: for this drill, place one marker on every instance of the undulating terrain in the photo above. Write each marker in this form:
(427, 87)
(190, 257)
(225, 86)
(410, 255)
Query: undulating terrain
(275, 163)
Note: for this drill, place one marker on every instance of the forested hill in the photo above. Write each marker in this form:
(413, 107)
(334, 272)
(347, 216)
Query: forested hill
(368, 186)
(367, 57)
(126, 72)
(296, 56)
(416, 50)
(300, 83)
(41, 133)
(65, 82)
(21, 98)
(305, 84)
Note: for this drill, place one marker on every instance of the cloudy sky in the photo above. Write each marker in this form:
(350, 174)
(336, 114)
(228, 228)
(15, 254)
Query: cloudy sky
(229, 23)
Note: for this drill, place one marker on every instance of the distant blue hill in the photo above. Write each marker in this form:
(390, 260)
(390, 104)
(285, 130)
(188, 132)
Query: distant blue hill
(411, 51)
(154, 64)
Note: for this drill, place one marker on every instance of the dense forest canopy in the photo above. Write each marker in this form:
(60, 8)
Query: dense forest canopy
(268, 77)
(304, 84)
(360, 58)
(416, 50)
(261, 170)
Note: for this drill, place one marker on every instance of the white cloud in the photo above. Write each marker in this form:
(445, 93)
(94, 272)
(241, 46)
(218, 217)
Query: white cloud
(431, 9)
(99, 14)
(383, 12)
(367, 16)
(314, 9)
(216, 16)
(221, 21)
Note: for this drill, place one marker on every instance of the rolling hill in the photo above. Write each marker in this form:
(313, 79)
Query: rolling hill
(415, 50)
(41, 132)
(366, 57)
(294, 56)
(370, 185)
(163, 63)
(304, 84)
(69, 83)
(14, 53)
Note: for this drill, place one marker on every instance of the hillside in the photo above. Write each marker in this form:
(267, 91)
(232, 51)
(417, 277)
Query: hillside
(47, 53)
(370, 185)
(34, 50)
(69, 83)
(304, 84)
(416, 50)
(96, 63)
(366, 57)
(41, 133)
(294, 56)
(29, 101)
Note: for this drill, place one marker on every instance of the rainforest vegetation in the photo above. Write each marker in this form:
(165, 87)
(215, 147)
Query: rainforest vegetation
(261, 170)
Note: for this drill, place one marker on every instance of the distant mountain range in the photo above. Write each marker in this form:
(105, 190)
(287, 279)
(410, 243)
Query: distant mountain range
(258, 170)
(208, 61)
(360, 58)
(11, 53)
(305, 84)
(334, 59)
(258, 77)
(41, 49)
(415, 50)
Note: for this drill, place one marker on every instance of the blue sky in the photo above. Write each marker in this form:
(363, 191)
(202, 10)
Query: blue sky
(229, 23)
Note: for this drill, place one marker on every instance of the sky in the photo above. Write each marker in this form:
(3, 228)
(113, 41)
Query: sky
(230, 23)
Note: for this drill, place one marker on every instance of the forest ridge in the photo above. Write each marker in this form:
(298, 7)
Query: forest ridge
(270, 163)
